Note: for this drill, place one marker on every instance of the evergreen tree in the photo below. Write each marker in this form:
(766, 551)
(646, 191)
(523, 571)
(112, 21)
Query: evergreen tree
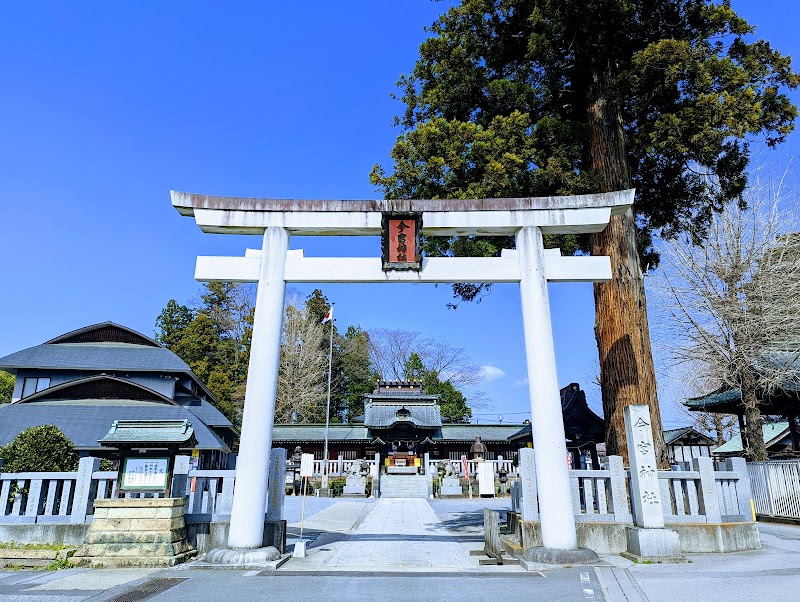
(40, 449)
(6, 386)
(452, 403)
(515, 98)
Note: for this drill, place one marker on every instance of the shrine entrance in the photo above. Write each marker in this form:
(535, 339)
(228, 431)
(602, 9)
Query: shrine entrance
(401, 224)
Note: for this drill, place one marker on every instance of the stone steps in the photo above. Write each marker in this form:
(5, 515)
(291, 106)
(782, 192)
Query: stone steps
(404, 486)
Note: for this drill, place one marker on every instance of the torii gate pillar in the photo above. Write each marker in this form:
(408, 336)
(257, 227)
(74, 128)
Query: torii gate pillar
(252, 464)
(547, 423)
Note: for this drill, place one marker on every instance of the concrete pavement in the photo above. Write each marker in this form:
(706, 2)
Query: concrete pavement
(413, 549)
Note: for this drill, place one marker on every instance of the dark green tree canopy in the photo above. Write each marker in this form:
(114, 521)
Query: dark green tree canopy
(452, 403)
(496, 106)
(40, 449)
(6, 386)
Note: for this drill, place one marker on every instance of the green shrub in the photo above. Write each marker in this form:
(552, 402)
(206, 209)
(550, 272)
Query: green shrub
(40, 449)
(336, 485)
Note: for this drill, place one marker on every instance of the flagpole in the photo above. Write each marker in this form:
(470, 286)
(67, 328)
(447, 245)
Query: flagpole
(328, 407)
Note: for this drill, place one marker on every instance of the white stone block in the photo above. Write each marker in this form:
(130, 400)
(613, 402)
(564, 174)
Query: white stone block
(653, 542)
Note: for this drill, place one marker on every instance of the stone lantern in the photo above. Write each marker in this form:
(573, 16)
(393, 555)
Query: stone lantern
(478, 450)
(293, 464)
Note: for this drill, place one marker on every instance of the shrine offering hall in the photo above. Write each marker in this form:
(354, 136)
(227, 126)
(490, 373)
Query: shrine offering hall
(402, 423)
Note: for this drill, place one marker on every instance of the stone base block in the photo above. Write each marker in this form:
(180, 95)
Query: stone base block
(653, 543)
(540, 555)
(251, 558)
(451, 490)
(724, 537)
(354, 490)
(148, 532)
(110, 562)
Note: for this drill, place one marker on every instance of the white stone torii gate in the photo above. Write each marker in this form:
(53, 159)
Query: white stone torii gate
(529, 264)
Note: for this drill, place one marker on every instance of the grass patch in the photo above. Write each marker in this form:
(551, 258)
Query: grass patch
(57, 565)
(13, 545)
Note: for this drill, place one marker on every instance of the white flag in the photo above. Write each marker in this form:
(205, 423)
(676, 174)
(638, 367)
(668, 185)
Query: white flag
(328, 316)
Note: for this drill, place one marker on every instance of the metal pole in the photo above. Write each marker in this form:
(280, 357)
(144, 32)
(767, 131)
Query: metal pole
(328, 411)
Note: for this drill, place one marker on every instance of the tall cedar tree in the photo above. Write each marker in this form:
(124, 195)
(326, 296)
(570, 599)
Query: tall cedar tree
(515, 98)
(351, 373)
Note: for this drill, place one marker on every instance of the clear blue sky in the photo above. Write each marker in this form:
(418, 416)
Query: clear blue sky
(108, 106)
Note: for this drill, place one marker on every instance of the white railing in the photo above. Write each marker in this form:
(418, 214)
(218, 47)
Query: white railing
(776, 487)
(600, 495)
(702, 495)
(337, 467)
(497, 465)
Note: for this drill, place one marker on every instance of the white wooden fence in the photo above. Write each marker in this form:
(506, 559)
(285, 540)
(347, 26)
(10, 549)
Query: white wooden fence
(776, 487)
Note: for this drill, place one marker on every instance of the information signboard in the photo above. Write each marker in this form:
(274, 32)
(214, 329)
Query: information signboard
(307, 465)
(145, 474)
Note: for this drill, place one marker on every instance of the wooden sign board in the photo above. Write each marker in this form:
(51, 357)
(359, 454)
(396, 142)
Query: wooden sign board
(401, 241)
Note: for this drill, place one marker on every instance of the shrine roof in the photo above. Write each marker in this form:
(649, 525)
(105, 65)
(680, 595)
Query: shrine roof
(298, 433)
(384, 415)
(675, 435)
(772, 432)
(149, 432)
(468, 432)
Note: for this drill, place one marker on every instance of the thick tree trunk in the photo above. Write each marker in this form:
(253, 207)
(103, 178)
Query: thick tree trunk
(627, 374)
(756, 450)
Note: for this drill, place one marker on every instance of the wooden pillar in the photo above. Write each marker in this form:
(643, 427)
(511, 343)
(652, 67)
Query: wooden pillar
(742, 433)
(595, 459)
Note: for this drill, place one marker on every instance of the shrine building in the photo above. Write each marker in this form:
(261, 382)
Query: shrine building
(402, 423)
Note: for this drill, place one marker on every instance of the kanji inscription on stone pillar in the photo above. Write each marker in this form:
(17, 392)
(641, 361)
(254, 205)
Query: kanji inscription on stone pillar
(645, 492)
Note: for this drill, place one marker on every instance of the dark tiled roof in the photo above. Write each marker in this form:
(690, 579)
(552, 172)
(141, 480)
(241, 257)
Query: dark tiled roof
(349, 432)
(104, 331)
(112, 357)
(86, 423)
(316, 432)
(208, 414)
(671, 435)
(149, 432)
(487, 432)
(382, 415)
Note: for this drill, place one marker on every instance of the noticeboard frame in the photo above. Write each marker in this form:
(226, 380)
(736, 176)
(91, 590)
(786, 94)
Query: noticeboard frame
(170, 460)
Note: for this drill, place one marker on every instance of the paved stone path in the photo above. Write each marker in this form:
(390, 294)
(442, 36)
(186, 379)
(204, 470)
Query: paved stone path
(396, 534)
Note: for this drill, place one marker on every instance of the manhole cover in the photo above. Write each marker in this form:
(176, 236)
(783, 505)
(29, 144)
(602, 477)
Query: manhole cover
(146, 590)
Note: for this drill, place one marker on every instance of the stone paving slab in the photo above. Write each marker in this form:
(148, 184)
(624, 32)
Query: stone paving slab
(397, 535)
(338, 518)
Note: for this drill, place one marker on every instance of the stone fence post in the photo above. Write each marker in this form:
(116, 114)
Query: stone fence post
(619, 490)
(83, 489)
(744, 491)
(180, 477)
(708, 488)
(276, 485)
(527, 474)
(428, 474)
(376, 477)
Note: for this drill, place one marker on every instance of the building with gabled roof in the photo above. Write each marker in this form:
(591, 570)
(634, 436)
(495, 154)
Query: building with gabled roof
(402, 422)
(686, 443)
(86, 379)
